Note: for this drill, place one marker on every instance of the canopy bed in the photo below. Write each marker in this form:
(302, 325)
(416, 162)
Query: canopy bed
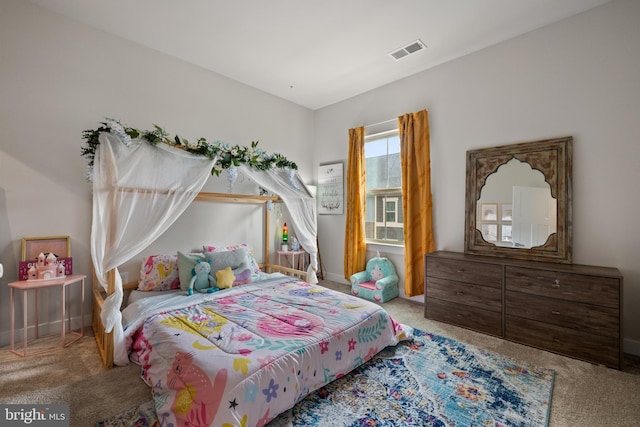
(239, 355)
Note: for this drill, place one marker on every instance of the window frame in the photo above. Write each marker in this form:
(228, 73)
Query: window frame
(396, 197)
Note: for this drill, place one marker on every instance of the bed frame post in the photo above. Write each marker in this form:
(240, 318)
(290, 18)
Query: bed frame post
(104, 340)
(267, 234)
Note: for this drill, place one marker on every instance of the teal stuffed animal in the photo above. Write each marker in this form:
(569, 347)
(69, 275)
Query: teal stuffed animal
(202, 281)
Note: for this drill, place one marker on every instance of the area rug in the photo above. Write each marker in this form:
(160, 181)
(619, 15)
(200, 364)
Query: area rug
(431, 381)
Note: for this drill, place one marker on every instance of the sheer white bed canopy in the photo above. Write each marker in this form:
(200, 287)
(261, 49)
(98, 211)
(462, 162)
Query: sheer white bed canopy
(140, 189)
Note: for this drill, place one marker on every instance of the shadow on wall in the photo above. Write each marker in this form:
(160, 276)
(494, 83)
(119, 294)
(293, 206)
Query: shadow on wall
(7, 253)
(7, 258)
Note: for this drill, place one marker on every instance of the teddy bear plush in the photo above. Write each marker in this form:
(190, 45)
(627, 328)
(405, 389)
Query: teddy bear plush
(202, 280)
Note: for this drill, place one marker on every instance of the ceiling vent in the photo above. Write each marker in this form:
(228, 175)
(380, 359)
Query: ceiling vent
(409, 49)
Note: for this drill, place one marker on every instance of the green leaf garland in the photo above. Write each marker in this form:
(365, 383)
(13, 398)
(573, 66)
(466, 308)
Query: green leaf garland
(228, 156)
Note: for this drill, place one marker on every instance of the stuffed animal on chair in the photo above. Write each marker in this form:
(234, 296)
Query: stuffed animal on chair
(379, 282)
(202, 280)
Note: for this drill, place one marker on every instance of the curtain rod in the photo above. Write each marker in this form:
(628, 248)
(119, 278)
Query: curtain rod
(380, 123)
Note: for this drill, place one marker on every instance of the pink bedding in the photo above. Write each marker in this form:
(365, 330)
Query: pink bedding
(241, 356)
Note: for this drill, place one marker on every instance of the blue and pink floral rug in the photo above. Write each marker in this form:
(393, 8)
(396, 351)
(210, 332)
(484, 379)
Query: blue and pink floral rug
(430, 381)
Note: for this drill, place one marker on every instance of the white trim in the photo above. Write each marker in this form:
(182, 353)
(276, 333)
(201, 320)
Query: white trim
(46, 330)
(337, 278)
(632, 346)
(379, 135)
(381, 123)
(385, 248)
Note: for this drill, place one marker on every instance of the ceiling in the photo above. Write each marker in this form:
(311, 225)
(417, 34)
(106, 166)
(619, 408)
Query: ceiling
(316, 52)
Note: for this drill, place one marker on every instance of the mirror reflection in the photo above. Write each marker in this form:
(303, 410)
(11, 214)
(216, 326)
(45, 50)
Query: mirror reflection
(515, 208)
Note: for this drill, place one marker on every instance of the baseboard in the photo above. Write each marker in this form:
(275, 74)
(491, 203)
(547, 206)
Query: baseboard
(632, 346)
(336, 278)
(44, 329)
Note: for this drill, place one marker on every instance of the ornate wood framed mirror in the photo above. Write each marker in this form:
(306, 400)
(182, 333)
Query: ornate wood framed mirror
(518, 201)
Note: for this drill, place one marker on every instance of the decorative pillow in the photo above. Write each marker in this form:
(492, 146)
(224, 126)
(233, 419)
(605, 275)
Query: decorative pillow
(159, 273)
(225, 278)
(236, 260)
(186, 263)
(251, 260)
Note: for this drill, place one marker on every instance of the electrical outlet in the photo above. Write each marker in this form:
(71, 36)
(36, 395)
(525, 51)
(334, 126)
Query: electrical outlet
(124, 275)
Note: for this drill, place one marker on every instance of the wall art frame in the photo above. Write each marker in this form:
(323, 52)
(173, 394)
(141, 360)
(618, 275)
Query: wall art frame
(331, 189)
(33, 246)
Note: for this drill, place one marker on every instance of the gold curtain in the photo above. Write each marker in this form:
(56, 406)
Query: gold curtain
(355, 246)
(415, 160)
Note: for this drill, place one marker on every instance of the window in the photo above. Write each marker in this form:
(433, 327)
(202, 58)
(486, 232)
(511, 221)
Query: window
(384, 216)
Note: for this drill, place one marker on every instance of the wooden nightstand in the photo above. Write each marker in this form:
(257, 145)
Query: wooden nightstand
(35, 285)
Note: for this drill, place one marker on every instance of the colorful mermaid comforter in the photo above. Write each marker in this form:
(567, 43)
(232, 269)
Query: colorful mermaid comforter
(241, 356)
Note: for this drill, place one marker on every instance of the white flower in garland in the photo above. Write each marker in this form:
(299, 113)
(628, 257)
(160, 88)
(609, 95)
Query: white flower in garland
(224, 155)
(90, 173)
(118, 130)
(160, 133)
(232, 175)
(291, 173)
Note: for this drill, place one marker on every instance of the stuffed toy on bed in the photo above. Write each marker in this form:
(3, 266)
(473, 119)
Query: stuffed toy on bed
(231, 266)
(202, 280)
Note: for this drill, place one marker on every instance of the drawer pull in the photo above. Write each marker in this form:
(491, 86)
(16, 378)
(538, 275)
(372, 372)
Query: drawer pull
(556, 283)
(540, 277)
(556, 340)
(459, 293)
(460, 271)
(556, 312)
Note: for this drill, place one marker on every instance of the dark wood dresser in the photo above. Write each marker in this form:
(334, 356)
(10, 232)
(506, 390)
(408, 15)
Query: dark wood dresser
(570, 309)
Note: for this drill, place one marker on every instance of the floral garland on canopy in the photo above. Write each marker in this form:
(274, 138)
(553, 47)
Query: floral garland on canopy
(228, 156)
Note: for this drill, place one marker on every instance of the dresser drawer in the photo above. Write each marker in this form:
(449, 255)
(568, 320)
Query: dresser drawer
(587, 318)
(465, 293)
(574, 310)
(465, 271)
(582, 345)
(604, 291)
(475, 318)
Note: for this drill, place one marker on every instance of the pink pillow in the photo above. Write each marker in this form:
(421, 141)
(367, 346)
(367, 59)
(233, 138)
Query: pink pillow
(251, 261)
(159, 273)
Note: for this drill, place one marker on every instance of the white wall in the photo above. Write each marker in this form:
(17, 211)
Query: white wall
(58, 78)
(579, 77)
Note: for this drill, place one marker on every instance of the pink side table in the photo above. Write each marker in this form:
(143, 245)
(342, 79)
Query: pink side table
(301, 259)
(25, 286)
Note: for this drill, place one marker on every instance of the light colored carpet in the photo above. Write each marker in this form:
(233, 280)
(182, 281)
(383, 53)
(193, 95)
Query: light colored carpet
(584, 394)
